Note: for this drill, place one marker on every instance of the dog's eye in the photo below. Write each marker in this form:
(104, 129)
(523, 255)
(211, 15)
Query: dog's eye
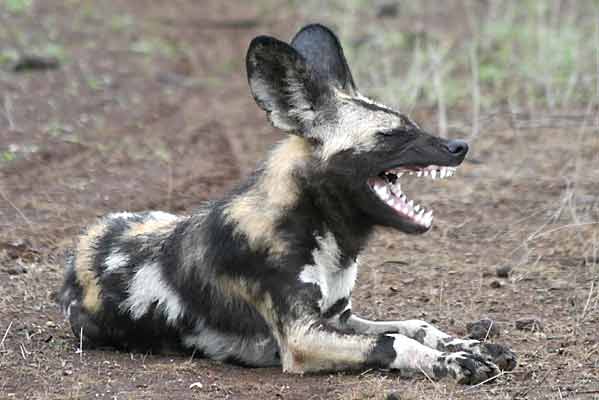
(391, 132)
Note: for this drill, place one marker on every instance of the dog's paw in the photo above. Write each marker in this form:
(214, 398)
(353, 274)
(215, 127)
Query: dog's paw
(466, 368)
(498, 354)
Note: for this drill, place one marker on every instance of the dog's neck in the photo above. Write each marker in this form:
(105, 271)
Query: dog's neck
(293, 197)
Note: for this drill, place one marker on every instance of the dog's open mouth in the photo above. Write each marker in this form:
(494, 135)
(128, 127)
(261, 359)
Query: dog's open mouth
(387, 188)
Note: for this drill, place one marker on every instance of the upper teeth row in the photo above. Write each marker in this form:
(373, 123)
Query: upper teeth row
(442, 172)
(433, 171)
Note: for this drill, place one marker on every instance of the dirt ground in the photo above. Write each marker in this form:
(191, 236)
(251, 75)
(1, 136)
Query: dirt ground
(150, 109)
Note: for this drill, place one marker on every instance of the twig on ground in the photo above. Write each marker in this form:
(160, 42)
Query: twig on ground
(586, 305)
(559, 228)
(5, 335)
(80, 349)
(8, 113)
(16, 209)
(429, 379)
(488, 331)
(500, 374)
(475, 92)
(438, 85)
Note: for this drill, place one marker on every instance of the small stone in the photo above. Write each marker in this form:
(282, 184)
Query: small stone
(16, 270)
(481, 329)
(388, 10)
(33, 62)
(531, 324)
(196, 385)
(503, 271)
(67, 372)
(50, 324)
(496, 284)
(393, 396)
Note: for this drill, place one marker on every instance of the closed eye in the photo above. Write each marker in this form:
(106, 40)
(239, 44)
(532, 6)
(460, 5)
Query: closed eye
(393, 132)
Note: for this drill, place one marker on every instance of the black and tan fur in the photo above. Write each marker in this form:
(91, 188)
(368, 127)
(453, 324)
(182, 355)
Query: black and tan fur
(264, 275)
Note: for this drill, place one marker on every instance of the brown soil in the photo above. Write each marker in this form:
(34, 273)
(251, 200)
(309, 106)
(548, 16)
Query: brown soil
(150, 110)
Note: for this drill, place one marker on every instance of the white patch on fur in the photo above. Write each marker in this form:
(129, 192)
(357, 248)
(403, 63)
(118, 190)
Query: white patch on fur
(148, 286)
(410, 328)
(357, 127)
(161, 215)
(124, 215)
(334, 282)
(411, 355)
(301, 108)
(67, 313)
(368, 100)
(365, 99)
(264, 94)
(115, 260)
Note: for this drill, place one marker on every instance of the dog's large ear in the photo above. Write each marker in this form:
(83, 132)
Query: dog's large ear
(283, 84)
(322, 50)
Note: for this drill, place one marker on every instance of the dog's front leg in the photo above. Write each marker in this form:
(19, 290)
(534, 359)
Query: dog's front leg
(430, 336)
(311, 346)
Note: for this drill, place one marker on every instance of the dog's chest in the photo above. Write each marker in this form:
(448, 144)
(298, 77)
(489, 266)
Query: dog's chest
(334, 280)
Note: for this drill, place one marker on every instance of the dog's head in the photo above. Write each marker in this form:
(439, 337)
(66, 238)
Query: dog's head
(307, 89)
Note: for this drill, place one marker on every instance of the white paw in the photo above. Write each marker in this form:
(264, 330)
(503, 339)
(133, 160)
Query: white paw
(466, 368)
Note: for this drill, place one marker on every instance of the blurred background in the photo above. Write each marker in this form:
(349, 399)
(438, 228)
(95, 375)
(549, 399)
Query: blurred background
(138, 104)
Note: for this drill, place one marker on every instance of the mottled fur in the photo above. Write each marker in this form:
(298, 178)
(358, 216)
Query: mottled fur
(264, 275)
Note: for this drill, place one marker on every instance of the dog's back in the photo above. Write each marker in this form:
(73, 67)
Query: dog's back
(125, 287)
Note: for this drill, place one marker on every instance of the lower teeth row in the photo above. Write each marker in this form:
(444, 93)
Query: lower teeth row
(399, 202)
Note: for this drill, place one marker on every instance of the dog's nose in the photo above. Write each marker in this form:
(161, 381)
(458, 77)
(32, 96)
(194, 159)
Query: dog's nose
(457, 148)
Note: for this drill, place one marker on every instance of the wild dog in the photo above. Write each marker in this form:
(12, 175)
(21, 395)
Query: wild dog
(263, 276)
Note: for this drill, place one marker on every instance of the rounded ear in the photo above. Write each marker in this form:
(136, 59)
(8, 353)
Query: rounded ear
(323, 52)
(283, 84)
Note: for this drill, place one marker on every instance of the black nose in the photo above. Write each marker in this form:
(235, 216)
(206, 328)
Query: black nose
(458, 148)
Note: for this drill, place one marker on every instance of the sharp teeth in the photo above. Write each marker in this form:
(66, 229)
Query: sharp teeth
(434, 174)
(411, 204)
(443, 172)
(419, 173)
(419, 217)
(417, 208)
(427, 219)
(386, 192)
(397, 187)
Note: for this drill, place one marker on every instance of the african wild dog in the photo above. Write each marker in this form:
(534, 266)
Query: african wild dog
(263, 276)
